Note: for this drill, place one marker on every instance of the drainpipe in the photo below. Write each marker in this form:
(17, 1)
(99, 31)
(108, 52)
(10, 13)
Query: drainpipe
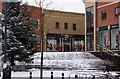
(95, 28)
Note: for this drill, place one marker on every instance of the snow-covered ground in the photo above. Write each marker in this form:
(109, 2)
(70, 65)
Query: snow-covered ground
(83, 64)
(58, 74)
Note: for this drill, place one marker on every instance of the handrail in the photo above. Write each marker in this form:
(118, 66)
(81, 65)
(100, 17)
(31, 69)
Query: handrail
(104, 49)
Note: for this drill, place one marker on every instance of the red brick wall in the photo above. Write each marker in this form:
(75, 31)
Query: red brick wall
(111, 18)
(36, 13)
(0, 5)
(102, 3)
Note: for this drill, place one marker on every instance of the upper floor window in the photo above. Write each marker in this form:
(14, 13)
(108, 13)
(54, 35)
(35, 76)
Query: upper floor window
(117, 10)
(66, 26)
(74, 26)
(104, 15)
(90, 16)
(57, 25)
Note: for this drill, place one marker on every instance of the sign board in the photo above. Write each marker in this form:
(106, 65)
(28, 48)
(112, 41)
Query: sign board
(38, 46)
(38, 38)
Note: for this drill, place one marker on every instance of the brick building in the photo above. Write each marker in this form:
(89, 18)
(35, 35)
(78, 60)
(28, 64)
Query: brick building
(63, 29)
(60, 29)
(102, 25)
(108, 25)
(35, 15)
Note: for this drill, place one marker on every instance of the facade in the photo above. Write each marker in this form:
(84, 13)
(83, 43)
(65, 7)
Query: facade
(90, 23)
(102, 18)
(108, 25)
(64, 31)
(35, 16)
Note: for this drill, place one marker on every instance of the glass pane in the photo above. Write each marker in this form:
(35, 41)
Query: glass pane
(114, 38)
(104, 38)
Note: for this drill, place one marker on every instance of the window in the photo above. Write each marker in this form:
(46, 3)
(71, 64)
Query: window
(89, 28)
(66, 26)
(104, 15)
(104, 38)
(74, 26)
(117, 10)
(57, 25)
(114, 29)
(90, 16)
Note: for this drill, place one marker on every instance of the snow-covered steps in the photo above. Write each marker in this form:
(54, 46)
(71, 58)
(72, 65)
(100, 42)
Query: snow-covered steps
(69, 60)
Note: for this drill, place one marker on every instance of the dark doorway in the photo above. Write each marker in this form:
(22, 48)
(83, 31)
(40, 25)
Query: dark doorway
(66, 48)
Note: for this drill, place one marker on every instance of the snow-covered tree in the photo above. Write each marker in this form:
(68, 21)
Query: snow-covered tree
(20, 43)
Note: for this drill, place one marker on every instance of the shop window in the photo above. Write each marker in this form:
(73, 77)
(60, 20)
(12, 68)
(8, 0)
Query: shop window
(74, 26)
(117, 10)
(51, 44)
(104, 14)
(57, 25)
(90, 41)
(104, 38)
(66, 26)
(114, 39)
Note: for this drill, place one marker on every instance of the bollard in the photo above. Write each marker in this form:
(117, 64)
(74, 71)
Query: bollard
(76, 76)
(62, 75)
(51, 75)
(30, 75)
(93, 77)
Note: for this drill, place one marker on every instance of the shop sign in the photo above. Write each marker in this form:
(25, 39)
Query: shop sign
(114, 26)
(38, 46)
(66, 36)
(37, 38)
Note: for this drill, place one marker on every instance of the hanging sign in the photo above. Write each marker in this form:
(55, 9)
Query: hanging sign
(38, 46)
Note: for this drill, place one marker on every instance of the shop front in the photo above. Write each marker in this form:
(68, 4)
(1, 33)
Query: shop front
(114, 33)
(111, 38)
(103, 31)
(64, 43)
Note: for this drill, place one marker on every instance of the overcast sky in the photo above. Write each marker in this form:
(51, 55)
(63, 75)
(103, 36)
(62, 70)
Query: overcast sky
(63, 5)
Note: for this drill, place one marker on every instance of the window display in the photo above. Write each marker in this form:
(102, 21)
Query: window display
(104, 38)
(114, 38)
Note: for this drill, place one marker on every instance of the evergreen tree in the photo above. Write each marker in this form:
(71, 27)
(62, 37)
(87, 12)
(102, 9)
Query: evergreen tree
(20, 44)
